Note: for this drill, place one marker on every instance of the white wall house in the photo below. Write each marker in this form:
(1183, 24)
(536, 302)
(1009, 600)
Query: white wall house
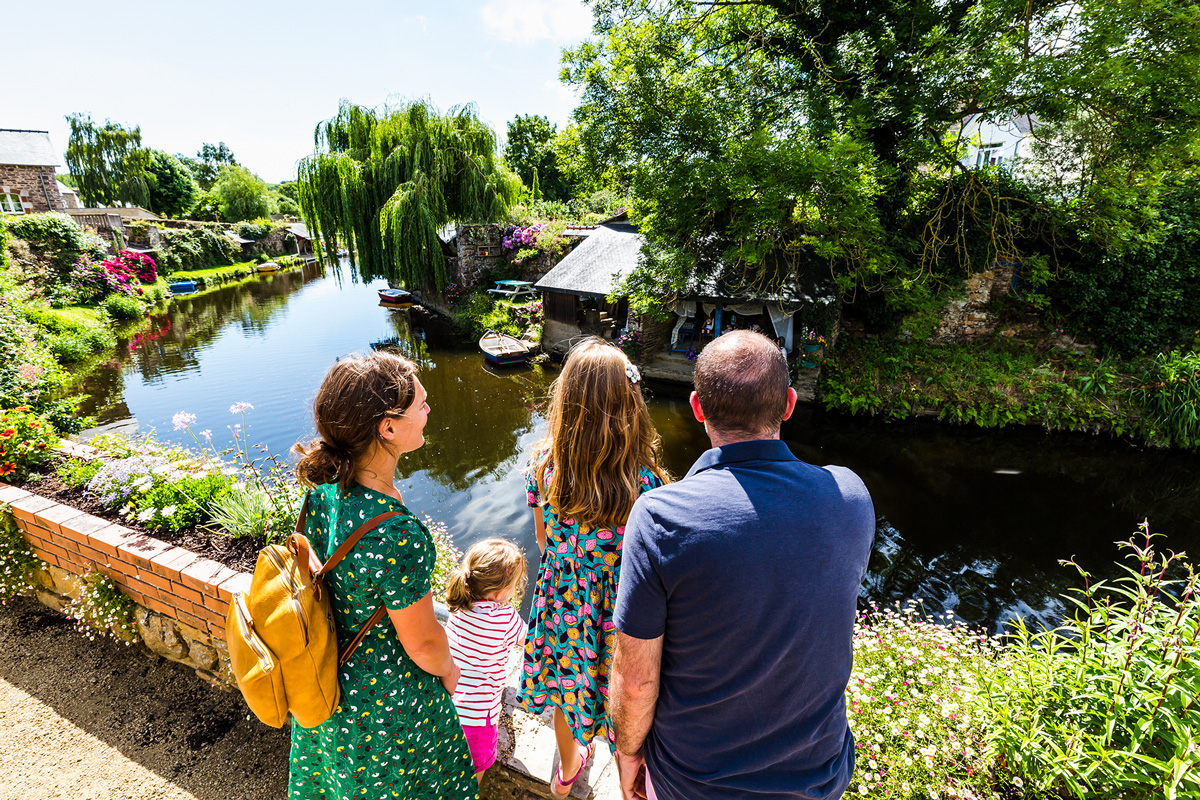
(992, 143)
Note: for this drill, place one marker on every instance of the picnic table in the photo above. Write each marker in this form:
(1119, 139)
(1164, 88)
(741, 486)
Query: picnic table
(514, 289)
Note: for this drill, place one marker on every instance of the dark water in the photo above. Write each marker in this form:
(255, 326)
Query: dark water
(968, 521)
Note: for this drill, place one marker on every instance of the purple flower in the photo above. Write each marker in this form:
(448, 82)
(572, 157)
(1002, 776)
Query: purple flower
(207, 435)
(183, 420)
(238, 408)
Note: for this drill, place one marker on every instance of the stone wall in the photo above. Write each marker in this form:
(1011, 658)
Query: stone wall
(969, 318)
(28, 183)
(480, 248)
(656, 335)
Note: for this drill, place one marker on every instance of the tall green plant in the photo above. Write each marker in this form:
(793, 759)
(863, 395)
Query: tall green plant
(1107, 705)
(1172, 398)
(383, 182)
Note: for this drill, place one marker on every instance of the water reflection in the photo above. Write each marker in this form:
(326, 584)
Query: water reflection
(971, 522)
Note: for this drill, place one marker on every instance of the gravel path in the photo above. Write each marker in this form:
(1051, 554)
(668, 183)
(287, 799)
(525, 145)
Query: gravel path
(102, 721)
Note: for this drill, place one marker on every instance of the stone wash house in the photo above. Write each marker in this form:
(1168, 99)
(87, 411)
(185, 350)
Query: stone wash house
(27, 182)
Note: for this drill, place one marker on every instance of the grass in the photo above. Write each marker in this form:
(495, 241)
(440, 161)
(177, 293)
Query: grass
(220, 274)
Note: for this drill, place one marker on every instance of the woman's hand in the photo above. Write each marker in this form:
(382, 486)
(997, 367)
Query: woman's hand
(451, 681)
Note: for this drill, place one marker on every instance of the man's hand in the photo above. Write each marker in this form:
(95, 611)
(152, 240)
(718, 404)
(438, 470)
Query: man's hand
(632, 771)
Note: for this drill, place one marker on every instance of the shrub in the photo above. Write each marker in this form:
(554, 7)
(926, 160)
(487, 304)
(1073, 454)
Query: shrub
(914, 706)
(102, 610)
(194, 248)
(248, 510)
(254, 230)
(159, 487)
(54, 240)
(18, 563)
(25, 442)
(69, 348)
(76, 472)
(140, 264)
(26, 365)
(180, 502)
(1107, 704)
(1145, 298)
(631, 344)
(1172, 398)
(121, 306)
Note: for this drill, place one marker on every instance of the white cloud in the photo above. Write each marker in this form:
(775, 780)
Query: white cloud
(526, 21)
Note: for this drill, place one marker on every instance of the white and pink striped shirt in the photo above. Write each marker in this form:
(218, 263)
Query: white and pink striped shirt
(479, 643)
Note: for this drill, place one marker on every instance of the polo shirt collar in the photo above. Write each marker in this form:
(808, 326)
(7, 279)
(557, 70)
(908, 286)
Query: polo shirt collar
(756, 450)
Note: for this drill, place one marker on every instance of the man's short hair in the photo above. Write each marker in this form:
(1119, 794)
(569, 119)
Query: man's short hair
(742, 382)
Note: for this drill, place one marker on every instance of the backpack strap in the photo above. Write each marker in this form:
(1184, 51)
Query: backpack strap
(336, 558)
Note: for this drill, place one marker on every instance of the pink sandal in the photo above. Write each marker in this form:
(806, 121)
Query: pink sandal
(557, 779)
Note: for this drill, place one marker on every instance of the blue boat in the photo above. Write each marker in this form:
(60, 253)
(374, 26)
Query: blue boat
(182, 287)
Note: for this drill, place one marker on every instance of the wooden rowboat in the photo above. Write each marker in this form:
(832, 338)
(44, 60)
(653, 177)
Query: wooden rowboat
(182, 287)
(500, 348)
(396, 298)
(268, 266)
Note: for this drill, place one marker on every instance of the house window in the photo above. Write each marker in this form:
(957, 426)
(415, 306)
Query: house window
(11, 204)
(989, 155)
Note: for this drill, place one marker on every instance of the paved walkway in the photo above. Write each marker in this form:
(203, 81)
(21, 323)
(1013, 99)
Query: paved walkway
(100, 721)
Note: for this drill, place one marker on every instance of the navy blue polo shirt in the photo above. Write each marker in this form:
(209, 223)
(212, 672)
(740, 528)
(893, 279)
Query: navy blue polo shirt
(749, 568)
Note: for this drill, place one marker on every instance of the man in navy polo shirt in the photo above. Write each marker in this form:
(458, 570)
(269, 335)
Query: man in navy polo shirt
(735, 611)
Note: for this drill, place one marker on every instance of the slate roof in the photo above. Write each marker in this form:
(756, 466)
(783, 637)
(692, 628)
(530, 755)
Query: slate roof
(598, 265)
(298, 229)
(27, 148)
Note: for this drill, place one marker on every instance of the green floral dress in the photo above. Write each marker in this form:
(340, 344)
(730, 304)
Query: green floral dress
(395, 732)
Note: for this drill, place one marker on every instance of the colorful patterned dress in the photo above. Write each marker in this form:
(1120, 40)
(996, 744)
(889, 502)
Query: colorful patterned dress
(568, 650)
(395, 732)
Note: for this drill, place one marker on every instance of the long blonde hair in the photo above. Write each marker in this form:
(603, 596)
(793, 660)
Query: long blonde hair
(600, 437)
(489, 567)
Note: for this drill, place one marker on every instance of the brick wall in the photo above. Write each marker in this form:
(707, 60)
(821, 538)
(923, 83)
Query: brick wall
(183, 597)
(27, 182)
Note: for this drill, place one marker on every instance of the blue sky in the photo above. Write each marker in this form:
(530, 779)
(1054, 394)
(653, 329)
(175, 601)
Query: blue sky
(260, 75)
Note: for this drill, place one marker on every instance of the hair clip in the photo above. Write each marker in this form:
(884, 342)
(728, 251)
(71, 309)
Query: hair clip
(632, 373)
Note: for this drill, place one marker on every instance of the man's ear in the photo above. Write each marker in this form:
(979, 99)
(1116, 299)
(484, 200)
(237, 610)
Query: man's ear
(694, 401)
(791, 403)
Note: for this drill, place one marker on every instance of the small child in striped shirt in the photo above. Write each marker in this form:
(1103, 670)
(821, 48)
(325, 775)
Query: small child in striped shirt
(482, 627)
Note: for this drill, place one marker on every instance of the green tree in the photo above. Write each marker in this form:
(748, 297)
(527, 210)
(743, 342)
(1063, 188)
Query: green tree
(384, 181)
(826, 127)
(209, 161)
(173, 189)
(242, 195)
(108, 162)
(529, 152)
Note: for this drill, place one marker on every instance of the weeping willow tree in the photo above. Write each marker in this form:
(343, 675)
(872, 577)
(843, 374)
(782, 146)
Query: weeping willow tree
(383, 182)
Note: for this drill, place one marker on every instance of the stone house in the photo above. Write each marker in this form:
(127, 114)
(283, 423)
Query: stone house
(27, 182)
(996, 142)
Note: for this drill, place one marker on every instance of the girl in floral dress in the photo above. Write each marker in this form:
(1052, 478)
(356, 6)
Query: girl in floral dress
(394, 733)
(600, 455)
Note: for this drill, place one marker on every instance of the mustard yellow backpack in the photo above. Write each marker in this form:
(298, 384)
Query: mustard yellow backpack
(282, 641)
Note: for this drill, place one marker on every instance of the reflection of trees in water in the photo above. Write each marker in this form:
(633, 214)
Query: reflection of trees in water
(476, 421)
(954, 531)
(172, 341)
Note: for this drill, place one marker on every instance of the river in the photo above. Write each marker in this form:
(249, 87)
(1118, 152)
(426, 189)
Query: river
(969, 522)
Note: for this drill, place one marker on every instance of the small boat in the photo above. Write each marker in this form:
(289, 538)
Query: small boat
(182, 287)
(268, 266)
(395, 298)
(500, 348)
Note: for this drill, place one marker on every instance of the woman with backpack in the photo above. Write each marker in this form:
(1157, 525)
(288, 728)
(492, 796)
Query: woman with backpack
(395, 732)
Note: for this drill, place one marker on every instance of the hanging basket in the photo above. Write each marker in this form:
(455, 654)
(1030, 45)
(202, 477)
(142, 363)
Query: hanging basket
(811, 348)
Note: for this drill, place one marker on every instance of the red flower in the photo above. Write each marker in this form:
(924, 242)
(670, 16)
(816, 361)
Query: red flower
(7, 468)
(34, 424)
(8, 433)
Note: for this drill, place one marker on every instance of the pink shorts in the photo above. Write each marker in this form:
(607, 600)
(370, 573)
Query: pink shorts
(482, 741)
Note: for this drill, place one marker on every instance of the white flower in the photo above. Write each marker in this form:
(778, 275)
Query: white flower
(238, 408)
(146, 515)
(183, 420)
(207, 435)
(169, 510)
(632, 373)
